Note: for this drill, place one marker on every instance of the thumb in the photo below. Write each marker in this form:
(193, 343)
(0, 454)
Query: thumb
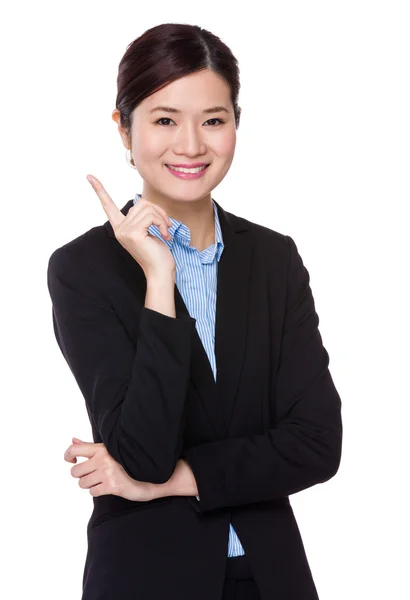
(77, 440)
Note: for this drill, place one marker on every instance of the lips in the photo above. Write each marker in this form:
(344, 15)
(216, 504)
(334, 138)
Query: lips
(186, 174)
(193, 166)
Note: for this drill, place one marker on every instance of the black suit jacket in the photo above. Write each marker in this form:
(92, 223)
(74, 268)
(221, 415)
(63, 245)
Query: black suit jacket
(270, 426)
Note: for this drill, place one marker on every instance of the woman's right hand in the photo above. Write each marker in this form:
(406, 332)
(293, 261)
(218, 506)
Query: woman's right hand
(131, 231)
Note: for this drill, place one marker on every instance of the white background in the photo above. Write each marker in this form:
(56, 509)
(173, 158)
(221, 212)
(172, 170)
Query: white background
(322, 155)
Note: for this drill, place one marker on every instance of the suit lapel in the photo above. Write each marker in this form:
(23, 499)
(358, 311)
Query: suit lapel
(231, 309)
(218, 398)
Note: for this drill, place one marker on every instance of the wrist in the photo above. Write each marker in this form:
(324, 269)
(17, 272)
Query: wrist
(160, 278)
(160, 293)
(162, 490)
(181, 483)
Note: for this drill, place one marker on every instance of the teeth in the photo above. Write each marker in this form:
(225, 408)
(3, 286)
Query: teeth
(182, 170)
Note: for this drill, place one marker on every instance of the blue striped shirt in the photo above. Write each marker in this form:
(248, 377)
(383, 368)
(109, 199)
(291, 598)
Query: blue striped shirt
(196, 279)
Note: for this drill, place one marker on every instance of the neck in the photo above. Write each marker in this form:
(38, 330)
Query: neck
(197, 215)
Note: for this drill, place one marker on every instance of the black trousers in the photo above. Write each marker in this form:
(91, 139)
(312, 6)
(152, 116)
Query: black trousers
(239, 583)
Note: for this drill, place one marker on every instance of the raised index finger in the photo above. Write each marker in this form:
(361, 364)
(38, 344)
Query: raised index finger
(112, 211)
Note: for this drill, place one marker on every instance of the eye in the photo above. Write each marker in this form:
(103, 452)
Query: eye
(167, 119)
(162, 119)
(220, 121)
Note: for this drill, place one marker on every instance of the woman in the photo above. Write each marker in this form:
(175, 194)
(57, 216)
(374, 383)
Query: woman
(193, 336)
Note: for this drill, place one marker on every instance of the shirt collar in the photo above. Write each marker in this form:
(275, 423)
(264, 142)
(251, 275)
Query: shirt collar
(181, 234)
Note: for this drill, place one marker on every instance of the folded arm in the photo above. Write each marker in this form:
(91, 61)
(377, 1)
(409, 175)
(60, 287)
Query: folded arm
(135, 393)
(304, 446)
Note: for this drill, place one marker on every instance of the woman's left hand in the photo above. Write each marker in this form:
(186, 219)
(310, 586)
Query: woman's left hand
(103, 475)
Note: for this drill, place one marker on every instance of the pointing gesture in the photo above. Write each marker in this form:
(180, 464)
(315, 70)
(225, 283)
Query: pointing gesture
(131, 231)
(113, 213)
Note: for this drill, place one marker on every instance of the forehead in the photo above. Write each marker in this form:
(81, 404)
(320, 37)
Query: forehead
(191, 93)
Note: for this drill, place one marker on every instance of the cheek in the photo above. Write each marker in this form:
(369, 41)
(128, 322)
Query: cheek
(225, 145)
(148, 147)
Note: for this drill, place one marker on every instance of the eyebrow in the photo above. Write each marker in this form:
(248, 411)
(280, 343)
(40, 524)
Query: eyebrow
(168, 109)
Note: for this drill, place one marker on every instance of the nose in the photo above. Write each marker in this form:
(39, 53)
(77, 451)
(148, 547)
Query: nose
(190, 141)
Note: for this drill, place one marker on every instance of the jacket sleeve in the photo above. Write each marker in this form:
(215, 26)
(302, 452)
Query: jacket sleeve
(304, 446)
(135, 393)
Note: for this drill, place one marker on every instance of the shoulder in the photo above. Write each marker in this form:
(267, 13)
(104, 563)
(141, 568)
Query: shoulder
(277, 255)
(86, 260)
(94, 250)
(270, 242)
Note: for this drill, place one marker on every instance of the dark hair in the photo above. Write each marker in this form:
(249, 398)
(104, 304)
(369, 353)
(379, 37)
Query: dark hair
(165, 53)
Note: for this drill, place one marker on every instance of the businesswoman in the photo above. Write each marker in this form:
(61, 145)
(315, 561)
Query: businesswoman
(193, 336)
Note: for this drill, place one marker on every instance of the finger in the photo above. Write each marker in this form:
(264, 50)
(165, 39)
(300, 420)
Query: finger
(149, 219)
(84, 468)
(90, 480)
(78, 441)
(144, 203)
(164, 214)
(112, 211)
(68, 458)
(98, 490)
(150, 216)
(85, 450)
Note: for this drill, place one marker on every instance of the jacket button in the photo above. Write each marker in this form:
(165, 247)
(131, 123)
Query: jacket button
(197, 497)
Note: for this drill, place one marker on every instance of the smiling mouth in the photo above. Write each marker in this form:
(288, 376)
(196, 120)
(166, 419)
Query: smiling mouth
(184, 170)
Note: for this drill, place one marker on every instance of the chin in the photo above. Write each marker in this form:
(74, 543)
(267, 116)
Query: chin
(183, 192)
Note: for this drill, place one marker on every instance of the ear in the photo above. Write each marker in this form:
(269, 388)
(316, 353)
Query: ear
(123, 132)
